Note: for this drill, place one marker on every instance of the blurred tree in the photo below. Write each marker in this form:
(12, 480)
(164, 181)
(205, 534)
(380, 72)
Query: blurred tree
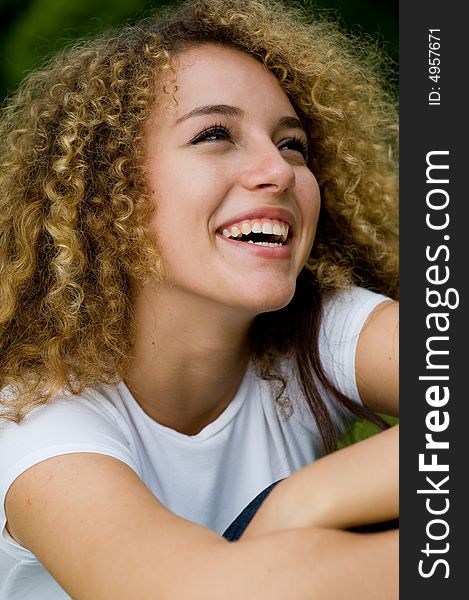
(42, 27)
(33, 29)
(378, 18)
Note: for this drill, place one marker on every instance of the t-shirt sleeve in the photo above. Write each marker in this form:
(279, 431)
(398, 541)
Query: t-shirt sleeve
(65, 426)
(344, 314)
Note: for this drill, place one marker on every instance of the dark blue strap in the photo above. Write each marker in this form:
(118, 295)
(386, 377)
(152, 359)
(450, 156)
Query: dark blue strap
(236, 529)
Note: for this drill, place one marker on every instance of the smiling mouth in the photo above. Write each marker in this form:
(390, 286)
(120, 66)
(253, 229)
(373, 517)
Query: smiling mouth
(261, 232)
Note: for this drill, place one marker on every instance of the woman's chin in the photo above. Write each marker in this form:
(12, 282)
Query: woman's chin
(272, 301)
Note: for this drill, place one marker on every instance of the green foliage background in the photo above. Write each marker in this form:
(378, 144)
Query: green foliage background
(32, 30)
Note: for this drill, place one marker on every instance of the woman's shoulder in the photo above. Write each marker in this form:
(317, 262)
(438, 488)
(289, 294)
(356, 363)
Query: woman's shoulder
(89, 422)
(69, 424)
(344, 313)
(351, 299)
(93, 417)
(64, 409)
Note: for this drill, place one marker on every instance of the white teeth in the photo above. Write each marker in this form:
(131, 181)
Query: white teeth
(268, 244)
(267, 228)
(256, 227)
(277, 229)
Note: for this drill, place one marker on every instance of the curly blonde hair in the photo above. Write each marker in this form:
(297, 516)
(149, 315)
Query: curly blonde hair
(74, 203)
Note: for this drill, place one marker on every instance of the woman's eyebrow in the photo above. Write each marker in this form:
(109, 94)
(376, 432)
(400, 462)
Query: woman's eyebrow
(211, 109)
(291, 122)
(233, 111)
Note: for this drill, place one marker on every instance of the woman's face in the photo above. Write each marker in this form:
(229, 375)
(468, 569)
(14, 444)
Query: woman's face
(236, 204)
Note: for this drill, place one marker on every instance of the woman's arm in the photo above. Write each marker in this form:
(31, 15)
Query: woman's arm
(354, 486)
(102, 534)
(377, 360)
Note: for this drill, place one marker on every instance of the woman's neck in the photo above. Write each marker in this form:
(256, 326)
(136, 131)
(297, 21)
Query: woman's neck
(189, 358)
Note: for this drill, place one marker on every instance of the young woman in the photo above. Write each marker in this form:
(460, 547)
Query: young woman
(198, 253)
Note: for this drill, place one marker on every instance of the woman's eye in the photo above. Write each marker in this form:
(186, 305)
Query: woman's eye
(297, 145)
(212, 134)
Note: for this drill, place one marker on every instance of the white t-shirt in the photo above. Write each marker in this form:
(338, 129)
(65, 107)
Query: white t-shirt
(208, 478)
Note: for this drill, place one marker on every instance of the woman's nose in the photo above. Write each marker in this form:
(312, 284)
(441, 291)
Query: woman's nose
(267, 169)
